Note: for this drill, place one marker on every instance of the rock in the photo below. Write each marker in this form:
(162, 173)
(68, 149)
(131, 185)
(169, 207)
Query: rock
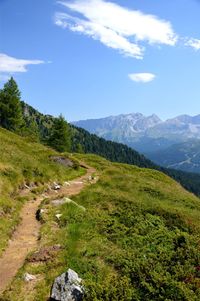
(40, 213)
(63, 161)
(56, 186)
(58, 216)
(67, 287)
(66, 201)
(28, 277)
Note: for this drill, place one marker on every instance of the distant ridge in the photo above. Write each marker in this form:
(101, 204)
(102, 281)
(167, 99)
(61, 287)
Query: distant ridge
(152, 136)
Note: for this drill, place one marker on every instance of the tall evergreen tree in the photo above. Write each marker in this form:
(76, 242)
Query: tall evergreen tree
(60, 137)
(10, 107)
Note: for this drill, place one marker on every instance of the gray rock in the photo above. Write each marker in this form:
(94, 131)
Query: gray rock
(67, 287)
(63, 161)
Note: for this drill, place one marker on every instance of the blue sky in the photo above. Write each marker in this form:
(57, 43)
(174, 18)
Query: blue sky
(95, 58)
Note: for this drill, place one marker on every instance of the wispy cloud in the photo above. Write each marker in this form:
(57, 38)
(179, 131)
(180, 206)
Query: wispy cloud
(142, 77)
(194, 43)
(10, 65)
(115, 26)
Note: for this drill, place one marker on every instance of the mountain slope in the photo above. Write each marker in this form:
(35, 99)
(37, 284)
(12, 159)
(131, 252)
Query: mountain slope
(137, 239)
(24, 163)
(184, 156)
(154, 138)
(116, 152)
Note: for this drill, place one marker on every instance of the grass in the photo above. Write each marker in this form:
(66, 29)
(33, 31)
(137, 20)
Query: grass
(137, 240)
(23, 162)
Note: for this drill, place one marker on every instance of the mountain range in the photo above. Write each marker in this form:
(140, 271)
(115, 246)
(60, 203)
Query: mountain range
(172, 143)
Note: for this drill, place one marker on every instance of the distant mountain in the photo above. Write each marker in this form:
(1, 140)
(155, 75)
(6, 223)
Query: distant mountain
(120, 128)
(131, 128)
(184, 156)
(161, 141)
(183, 127)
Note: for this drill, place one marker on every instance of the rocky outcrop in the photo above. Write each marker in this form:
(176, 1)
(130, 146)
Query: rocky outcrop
(63, 161)
(67, 287)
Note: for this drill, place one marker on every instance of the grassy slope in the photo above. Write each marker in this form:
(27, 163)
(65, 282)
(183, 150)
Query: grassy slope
(137, 240)
(23, 162)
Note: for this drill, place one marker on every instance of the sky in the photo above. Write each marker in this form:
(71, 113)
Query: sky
(96, 58)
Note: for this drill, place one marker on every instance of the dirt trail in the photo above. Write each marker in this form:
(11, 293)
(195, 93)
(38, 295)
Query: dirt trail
(25, 238)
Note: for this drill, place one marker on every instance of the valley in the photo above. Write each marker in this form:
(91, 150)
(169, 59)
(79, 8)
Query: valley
(169, 143)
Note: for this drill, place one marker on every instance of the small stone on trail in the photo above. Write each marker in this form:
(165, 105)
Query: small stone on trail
(56, 186)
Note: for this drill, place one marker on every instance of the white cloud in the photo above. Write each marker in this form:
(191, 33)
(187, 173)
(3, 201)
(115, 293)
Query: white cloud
(11, 65)
(115, 26)
(194, 43)
(142, 77)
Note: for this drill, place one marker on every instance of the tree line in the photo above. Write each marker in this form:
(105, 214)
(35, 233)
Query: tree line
(15, 116)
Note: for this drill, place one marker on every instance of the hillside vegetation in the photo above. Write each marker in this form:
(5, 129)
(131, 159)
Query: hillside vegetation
(136, 240)
(84, 142)
(132, 236)
(23, 162)
(19, 117)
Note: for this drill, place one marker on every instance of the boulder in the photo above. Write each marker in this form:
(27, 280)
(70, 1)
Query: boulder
(67, 287)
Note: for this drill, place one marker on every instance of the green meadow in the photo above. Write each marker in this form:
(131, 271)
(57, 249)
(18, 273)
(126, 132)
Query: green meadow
(24, 162)
(137, 239)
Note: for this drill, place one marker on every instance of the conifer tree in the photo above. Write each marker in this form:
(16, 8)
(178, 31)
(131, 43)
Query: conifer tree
(10, 107)
(60, 137)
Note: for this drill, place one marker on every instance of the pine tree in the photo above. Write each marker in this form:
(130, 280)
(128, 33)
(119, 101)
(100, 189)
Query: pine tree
(10, 107)
(60, 137)
(11, 88)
